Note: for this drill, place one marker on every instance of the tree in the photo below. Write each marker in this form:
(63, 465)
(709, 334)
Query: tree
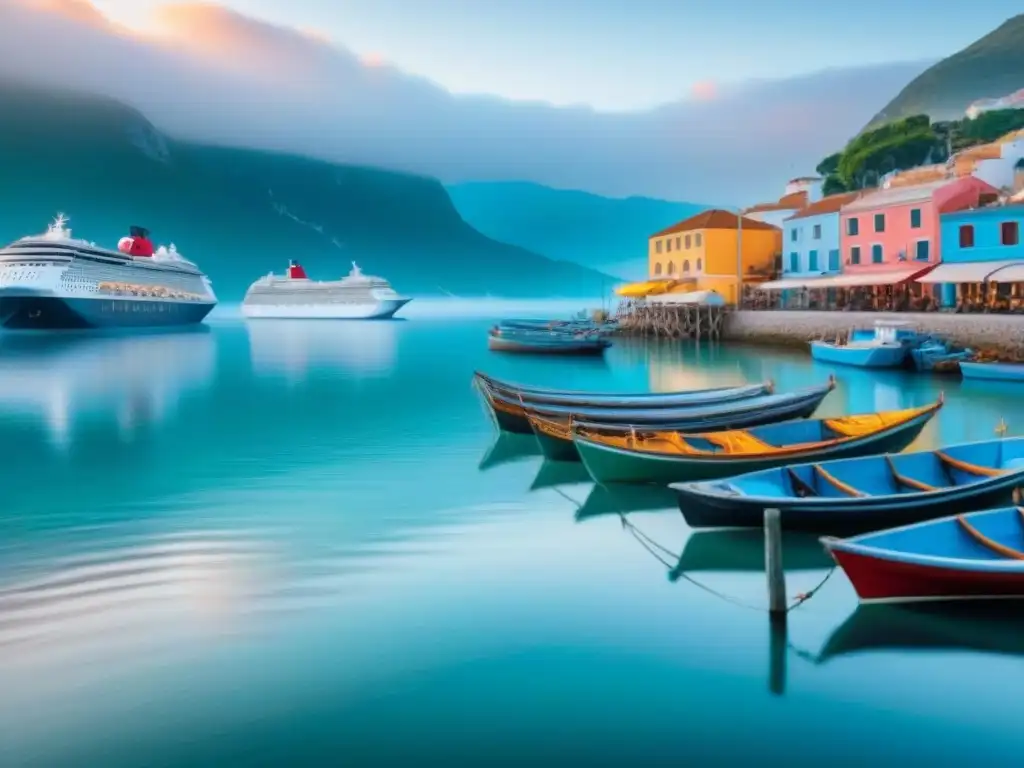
(832, 185)
(829, 165)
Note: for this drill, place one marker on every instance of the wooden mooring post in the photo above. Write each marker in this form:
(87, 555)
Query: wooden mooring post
(777, 610)
(673, 321)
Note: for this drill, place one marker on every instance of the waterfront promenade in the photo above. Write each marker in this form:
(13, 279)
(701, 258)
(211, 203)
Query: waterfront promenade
(1003, 332)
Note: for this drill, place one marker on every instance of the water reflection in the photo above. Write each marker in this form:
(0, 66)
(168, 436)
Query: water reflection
(509, 448)
(620, 500)
(294, 347)
(59, 378)
(743, 551)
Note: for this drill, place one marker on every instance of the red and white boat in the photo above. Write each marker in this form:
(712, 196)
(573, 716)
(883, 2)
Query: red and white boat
(973, 556)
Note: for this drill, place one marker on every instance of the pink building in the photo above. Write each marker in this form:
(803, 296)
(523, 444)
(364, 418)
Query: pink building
(892, 235)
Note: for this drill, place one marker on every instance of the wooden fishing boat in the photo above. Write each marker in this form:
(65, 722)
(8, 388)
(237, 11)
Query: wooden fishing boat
(865, 493)
(555, 431)
(974, 556)
(935, 356)
(527, 342)
(1012, 372)
(578, 399)
(660, 456)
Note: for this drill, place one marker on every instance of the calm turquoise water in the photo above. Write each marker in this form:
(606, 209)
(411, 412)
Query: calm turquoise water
(299, 543)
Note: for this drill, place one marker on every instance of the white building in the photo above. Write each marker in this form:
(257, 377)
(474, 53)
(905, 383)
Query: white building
(800, 193)
(1013, 101)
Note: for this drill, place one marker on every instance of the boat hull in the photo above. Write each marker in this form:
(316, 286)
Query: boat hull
(565, 449)
(22, 312)
(371, 310)
(881, 580)
(547, 347)
(821, 516)
(993, 372)
(881, 356)
(608, 464)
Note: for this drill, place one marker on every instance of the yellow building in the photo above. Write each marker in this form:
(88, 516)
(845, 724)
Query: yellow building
(700, 252)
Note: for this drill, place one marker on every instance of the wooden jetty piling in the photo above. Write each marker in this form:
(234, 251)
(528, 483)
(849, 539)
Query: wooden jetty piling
(773, 563)
(671, 320)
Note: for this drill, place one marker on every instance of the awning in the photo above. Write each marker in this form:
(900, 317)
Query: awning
(709, 298)
(970, 272)
(1011, 273)
(864, 279)
(646, 288)
(790, 283)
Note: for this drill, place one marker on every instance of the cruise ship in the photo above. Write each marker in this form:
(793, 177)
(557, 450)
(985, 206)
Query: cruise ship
(54, 281)
(294, 296)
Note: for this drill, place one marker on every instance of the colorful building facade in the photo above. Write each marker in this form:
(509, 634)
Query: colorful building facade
(702, 253)
(810, 239)
(891, 235)
(799, 193)
(981, 245)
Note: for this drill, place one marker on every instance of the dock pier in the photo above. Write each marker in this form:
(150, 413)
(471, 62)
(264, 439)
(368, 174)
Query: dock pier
(671, 320)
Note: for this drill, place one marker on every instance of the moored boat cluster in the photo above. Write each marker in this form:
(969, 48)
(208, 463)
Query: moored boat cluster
(729, 454)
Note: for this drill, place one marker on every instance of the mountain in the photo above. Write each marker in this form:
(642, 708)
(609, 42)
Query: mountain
(241, 213)
(988, 68)
(609, 234)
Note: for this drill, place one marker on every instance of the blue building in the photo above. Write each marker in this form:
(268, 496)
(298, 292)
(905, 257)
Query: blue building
(810, 245)
(979, 246)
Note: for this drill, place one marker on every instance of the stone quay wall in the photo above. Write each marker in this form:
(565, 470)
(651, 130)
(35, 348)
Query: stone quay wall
(999, 333)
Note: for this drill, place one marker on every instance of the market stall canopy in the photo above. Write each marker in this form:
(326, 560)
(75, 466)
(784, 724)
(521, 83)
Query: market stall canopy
(968, 272)
(868, 279)
(646, 288)
(1011, 273)
(789, 283)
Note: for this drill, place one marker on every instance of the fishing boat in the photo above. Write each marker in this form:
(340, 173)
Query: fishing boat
(1012, 372)
(864, 493)
(578, 399)
(555, 431)
(546, 343)
(936, 356)
(563, 326)
(885, 346)
(974, 556)
(661, 456)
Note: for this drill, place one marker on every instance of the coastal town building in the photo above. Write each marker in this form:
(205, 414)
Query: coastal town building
(702, 252)
(799, 193)
(892, 235)
(981, 248)
(1014, 100)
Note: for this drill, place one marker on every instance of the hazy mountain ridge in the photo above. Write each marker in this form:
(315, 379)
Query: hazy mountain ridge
(241, 213)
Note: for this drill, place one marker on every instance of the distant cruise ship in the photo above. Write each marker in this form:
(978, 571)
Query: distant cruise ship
(52, 281)
(294, 295)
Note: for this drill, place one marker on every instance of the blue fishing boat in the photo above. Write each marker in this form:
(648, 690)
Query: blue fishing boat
(885, 346)
(1011, 372)
(555, 429)
(546, 343)
(937, 356)
(973, 556)
(579, 399)
(659, 456)
(862, 493)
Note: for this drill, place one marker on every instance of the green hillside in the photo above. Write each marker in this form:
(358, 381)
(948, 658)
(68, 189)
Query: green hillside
(241, 213)
(604, 233)
(988, 68)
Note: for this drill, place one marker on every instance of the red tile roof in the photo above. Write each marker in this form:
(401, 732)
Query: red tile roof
(713, 218)
(830, 204)
(791, 202)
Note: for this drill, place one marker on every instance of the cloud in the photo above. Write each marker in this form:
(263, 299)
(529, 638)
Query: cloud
(705, 90)
(201, 72)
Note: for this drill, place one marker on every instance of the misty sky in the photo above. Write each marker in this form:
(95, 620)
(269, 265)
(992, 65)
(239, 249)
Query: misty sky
(679, 100)
(620, 54)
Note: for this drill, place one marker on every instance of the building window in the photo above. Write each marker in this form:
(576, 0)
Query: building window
(793, 234)
(853, 227)
(817, 231)
(686, 266)
(668, 245)
(794, 262)
(921, 250)
(1010, 234)
(657, 268)
(698, 261)
(696, 240)
(967, 236)
(671, 268)
(879, 222)
(915, 218)
(833, 261)
(687, 241)
(657, 247)
(876, 254)
(677, 242)
(812, 259)
(855, 255)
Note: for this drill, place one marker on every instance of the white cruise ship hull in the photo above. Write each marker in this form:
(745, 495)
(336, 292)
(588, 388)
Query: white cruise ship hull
(371, 310)
(22, 311)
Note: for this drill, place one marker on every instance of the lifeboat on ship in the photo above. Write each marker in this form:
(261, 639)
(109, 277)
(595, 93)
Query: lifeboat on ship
(137, 243)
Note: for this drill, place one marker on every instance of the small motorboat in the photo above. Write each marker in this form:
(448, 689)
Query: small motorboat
(664, 457)
(555, 429)
(1012, 372)
(972, 556)
(885, 346)
(864, 493)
